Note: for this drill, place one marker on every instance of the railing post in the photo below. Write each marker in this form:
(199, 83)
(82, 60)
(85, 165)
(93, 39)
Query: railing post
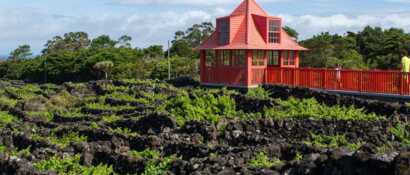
(360, 81)
(324, 79)
(401, 75)
(281, 76)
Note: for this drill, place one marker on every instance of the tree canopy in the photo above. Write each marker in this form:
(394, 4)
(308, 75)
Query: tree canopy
(74, 56)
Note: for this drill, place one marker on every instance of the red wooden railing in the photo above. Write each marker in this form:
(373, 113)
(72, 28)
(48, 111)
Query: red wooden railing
(391, 82)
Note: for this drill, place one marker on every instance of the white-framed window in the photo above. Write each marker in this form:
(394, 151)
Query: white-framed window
(273, 58)
(210, 58)
(223, 31)
(239, 57)
(274, 31)
(258, 58)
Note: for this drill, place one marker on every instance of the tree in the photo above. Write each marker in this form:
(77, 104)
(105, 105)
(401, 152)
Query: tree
(291, 32)
(185, 41)
(21, 53)
(102, 42)
(154, 51)
(124, 41)
(104, 66)
(73, 41)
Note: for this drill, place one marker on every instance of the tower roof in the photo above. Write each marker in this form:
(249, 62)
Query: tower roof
(248, 30)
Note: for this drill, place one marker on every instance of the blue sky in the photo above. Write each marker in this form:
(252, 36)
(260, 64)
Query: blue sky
(151, 22)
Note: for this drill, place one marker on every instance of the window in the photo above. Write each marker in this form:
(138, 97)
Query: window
(223, 31)
(226, 57)
(209, 58)
(258, 58)
(273, 58)
(285, 57)
(274, 31)
(289, 58)
(239, 57)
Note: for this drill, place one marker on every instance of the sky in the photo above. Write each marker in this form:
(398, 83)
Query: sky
(151, 22)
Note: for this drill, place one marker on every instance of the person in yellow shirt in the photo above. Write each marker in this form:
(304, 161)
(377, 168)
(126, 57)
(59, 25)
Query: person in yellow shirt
(405, 63)
(405, 67)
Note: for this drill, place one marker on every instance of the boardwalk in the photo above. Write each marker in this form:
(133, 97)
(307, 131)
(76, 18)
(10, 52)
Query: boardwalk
(386, 82)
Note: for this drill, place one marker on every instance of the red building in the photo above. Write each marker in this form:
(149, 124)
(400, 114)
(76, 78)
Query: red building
(244, 46)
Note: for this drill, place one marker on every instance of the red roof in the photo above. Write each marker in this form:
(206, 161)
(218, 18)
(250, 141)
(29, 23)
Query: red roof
(248, 30)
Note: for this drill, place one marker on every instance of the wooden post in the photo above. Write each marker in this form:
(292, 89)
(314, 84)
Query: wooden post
(202, 66)
(248, 68)
(401, 83)
(324, 78)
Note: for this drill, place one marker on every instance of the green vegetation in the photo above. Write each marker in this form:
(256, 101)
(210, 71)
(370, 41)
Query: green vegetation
(70, 165)
(46, 116)
(67, 139)
(400, 131)
(158, 167)
(147, 154)
(111, 118)
(5, 119)
(207, 107)
(156, 164)
(261, 160)
(124, 131)
(259, 93)
(106, 107)
(312, 109)
(373, 47)
(334, 141)
(7, 103)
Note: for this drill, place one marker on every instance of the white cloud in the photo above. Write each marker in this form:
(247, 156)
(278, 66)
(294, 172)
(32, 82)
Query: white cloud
(190, 2)
(309, 25)
(36, 27)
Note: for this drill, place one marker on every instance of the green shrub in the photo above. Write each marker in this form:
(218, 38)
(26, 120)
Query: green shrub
(401, 133)
(111, 118)
(312, 109)
(20, 93)
(122, 96)
(147, 154)
(5, 118)
(334, 141)
(207, 107)
(124, 131)
(106, 107)
(7, 102)
(70, 165)
(67, 139)
(261, 160)
(46, 116)
(259, 93)
(109, 88)
(158, 167)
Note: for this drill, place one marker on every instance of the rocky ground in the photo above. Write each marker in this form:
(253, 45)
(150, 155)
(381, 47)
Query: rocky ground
(138, 127)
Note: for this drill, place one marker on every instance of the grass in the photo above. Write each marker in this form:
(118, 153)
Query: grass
(312, 109)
